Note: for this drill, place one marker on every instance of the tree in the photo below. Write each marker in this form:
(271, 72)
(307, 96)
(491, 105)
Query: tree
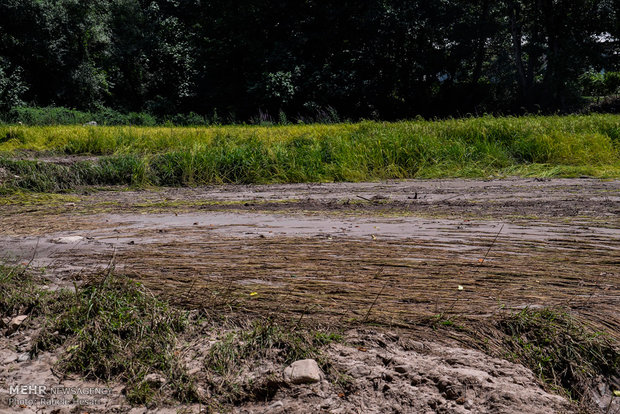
(385, 59)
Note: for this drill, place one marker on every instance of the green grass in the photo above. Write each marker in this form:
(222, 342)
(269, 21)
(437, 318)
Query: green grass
(179, 156)
(110, 328)
(562, 351)
(21, 292)
(131, 333)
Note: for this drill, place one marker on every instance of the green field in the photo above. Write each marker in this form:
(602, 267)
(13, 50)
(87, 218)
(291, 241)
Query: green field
(555, 146)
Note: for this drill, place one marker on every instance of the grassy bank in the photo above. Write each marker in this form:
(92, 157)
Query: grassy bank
(476, 147)
(113, 329)
(108, 329)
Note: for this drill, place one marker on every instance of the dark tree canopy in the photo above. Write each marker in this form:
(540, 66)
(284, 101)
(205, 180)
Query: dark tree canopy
(384, 59)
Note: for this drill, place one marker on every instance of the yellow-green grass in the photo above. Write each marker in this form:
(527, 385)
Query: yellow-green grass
(474, 147)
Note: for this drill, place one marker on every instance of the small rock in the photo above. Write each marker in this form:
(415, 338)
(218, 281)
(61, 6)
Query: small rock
(401, 369)
(359, 371)
(305, 371)
(90, 123)
(7, 356)
(18, 319)
(68, 240)
(15, 323)
(23, 357)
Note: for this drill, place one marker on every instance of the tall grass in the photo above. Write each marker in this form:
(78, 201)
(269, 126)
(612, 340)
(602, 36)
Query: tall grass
(475, 147)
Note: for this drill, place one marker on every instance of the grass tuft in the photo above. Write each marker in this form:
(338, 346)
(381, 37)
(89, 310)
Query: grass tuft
(562, 351)
(21, 292)
(263, 340)
(114, 329)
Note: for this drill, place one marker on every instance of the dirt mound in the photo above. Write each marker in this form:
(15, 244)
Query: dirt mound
(385, 374)
(370, 372)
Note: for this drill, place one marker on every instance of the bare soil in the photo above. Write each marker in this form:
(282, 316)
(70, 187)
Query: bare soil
(384, 373)
(391, 375)
(393, 254)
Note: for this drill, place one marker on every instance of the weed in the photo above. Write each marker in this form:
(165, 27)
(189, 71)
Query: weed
(326, 338)
(561, 351)
(110, 328)
(443, 320)
(21, 293)
(113, 329)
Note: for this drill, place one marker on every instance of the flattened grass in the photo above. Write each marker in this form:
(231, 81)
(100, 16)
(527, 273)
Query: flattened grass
(180, 156)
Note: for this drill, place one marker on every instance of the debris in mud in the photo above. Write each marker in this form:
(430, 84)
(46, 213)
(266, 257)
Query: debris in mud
(396, 378)
(15, 323)
(68, 239)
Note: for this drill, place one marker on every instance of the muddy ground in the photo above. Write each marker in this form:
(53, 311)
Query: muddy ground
(397, 255)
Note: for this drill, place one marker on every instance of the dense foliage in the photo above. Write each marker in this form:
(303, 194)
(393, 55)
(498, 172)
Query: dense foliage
(275, 60)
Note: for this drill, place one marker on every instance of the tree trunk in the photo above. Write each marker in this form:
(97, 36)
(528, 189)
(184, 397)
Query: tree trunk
(516, 31)
(552, 78)
(480, 44)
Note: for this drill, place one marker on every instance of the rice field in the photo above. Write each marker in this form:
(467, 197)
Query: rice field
(52, 158)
